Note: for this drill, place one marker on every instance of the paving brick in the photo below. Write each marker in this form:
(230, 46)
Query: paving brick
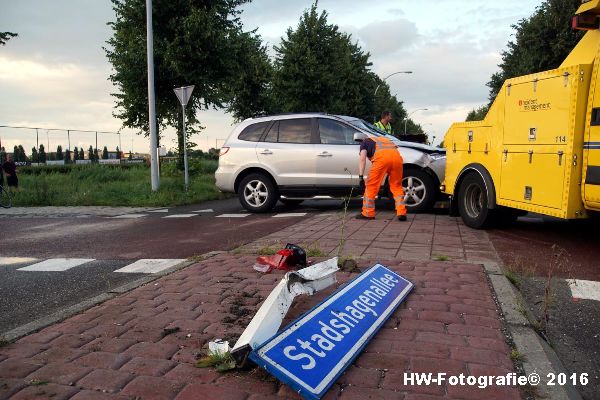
(105, 380)
(379, 361)
(23, 350)
(58, 354)
(395, 334)
(210, 392)
(251, 384)
(94, 395)
(103, 360)
(61, 373)
(150, 387)
(190, 374)
(490, 344)
(435, 365)
(491, 393)
(441, 338)
(152, 350)
(379, 345)
(478, 320)
(477, 369)
(420, 396)
(148, 366)
(48, 391)
(421, 349)
(477, 331)
(8, 387)
(480, 356)
(71, 340)
(360, 393)
(111, 345)
(72, 327)
(441, 316)
(395, 381)
(421, 325)
(44, 336)
(363, 377)
(426, 305)
(472, 310)
(17, 368)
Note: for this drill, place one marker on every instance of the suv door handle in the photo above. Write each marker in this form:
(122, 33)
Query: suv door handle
(266, 151)
(325, 154)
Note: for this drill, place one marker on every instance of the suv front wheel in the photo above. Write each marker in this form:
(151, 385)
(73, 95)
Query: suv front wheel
(257, 193)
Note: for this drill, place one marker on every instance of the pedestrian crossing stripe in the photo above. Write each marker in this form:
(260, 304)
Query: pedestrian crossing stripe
(127, 216)
(232, 215)
(56, 264)
(287, 215)
(164, 210)
(180, 216)
(16, 260)
(150, 266)
(584, 290)
(208, 210)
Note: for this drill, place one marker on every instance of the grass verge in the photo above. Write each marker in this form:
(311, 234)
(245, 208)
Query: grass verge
(107, 185)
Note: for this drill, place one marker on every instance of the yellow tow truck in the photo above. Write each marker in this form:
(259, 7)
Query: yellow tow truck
(538, 148)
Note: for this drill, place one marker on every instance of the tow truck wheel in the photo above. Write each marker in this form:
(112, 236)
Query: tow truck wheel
(473, 202)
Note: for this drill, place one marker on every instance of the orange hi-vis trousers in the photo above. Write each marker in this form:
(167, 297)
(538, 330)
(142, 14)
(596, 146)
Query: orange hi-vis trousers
(386, 160)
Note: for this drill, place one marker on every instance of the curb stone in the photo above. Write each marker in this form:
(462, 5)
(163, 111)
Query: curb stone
(540, 358)
(68, 312)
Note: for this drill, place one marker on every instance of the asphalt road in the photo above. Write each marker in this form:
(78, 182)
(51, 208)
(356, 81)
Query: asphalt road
(26, 296)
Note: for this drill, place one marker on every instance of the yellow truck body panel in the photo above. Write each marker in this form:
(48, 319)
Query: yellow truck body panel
(539, 145)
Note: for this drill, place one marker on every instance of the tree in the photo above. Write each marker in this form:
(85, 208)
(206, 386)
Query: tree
(34, 155)
(75, 154)
(105, 153)
(318, 68)
(118, 153)
(22, 154)
(2, 154)
(68, 156)
(6, 36)
(96, 156)
(59, 152)
(196, 42)
(91, 154)
(42, 154)
(542, 42)
(81, 154)
(16, 154)
(477, 114)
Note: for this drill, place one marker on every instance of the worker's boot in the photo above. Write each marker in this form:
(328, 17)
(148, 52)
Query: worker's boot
(401, 217)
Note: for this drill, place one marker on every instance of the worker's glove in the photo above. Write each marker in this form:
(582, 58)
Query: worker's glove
(361, 184)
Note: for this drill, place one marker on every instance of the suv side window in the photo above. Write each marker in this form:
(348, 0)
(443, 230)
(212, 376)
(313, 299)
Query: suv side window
(333, 132)
(294, 131)
(273, 133)
(252, 133)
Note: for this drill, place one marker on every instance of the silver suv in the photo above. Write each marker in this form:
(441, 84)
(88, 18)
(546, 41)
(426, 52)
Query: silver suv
(294, 157)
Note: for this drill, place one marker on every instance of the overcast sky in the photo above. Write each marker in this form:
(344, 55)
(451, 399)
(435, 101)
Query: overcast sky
(54, 75)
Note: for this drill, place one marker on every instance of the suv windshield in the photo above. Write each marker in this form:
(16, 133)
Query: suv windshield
(364, 125)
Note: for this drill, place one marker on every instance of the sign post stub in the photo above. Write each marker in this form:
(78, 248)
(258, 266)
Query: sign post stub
(183, 94)
(313, 351)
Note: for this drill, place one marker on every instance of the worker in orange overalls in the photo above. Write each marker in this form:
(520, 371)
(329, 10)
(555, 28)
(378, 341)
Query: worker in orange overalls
(386, 159)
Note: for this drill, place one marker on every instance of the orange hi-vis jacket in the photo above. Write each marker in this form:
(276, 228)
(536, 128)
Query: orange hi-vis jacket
(385, 160)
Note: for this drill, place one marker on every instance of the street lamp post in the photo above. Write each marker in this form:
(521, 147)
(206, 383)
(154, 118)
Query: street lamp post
(392, 74)
(154, 176)
(408, 117)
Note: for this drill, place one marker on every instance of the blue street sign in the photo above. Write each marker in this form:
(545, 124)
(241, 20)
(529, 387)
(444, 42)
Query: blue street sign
(313, 351)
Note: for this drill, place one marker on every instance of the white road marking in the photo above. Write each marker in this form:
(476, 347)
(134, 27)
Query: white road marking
(149, 266)
(286, 215)
(130, 216)
(56, 264)
(581, 289)
(16, 260)
(181, 216)
(232, 215)
(209, 210)
(164, 210)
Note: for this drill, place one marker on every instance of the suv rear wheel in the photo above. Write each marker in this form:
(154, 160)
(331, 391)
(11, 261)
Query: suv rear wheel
(257, 193)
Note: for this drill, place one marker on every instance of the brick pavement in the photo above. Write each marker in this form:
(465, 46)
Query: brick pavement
(121, 350)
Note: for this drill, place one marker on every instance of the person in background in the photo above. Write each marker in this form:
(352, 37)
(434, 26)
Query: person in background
(384, 122)
(385, 159)
(10, 170)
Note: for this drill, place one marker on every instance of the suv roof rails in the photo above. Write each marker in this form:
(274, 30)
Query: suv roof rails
(292, 113)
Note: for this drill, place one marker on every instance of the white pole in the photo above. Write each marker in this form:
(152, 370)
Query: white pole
(151, 102)
(185, 160)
